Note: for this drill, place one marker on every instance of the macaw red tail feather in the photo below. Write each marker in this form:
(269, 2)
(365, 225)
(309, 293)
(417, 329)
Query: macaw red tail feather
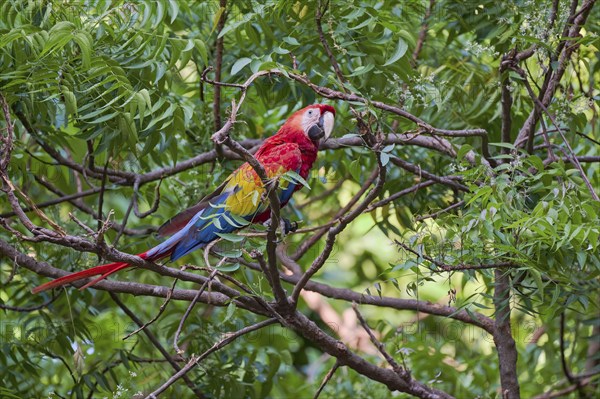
(103, 270)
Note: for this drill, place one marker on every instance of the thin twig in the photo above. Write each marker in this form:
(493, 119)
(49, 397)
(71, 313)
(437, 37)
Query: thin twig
(160, 311)
(178, 350)
(327, 378)
(312, 240)
(55, 201)
(399, 194)
(450, 268)
(193, 362)
(32, 308)
(100, 216)
(334, 231)
(423, 32)
(405, 374)
(155, 203)
(438, 213)
(573, 157)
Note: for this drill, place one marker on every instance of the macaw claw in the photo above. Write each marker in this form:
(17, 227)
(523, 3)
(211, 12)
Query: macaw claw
(289, 226)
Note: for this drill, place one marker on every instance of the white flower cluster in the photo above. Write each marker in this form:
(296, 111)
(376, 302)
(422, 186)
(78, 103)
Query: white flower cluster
(478, 49)
(422, 90)
(536, 20)
(120, 392)
(581, 105)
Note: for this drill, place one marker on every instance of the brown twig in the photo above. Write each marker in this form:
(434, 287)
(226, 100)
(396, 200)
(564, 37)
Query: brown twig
(438, 213)
(564, 50)
(32, 308)
(395, 366)
(319, 10)
(450, 268)
(155, 204)
(572, 155)
(423, 32)
(193, 362)
(335, 230)
(178, 350)
(327, 378)
(160, 312)
(312, 240)
(219, 65)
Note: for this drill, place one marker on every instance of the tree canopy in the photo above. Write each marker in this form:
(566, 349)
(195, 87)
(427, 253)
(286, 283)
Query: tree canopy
(448, 241)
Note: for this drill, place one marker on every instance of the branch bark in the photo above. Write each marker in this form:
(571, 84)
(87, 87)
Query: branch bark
(505, 343)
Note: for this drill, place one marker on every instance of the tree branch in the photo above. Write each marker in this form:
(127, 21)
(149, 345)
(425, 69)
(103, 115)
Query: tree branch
(197, 359)
(505, 343)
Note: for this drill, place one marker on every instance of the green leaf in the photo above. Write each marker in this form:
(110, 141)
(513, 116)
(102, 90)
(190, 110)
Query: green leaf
(230, 308)
(291, 40)
(84, 41)
(239, 65)
(355, 170)
(295, 178)
(398, 53)
(201, 47)
(231, 237)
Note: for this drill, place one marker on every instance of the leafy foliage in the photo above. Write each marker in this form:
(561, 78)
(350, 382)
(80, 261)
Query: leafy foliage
(105, 91)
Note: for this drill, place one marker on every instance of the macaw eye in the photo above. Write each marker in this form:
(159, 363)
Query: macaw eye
(310, 112)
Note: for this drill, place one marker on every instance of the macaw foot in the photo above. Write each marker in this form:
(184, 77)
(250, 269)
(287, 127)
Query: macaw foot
(289, 226)
(286, 226)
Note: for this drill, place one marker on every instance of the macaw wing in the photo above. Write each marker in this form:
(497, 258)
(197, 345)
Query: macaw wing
(178, 221)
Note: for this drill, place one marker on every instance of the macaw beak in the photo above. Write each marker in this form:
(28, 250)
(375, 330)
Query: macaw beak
(323, 128)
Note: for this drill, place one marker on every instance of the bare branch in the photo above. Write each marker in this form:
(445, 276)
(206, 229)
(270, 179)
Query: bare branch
(219, 65)
(423, 32)
(155, 204)
(395, 366)
(572, 155)
(335, 230)
(308, 329)
(32, 308)
(565, 49)
(438, 213)
(472, 317)
(313, 239)
(319, 10)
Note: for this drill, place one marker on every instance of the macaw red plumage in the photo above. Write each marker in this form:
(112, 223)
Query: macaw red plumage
(239, 200)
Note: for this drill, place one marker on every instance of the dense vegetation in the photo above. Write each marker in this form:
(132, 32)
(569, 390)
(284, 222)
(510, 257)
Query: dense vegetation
(449, 236)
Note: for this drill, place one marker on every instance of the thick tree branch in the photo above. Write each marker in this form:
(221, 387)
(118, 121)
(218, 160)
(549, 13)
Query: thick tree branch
(306, 328)
(505, 343)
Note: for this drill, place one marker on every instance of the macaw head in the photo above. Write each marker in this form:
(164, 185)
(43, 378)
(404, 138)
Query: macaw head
(315, 121)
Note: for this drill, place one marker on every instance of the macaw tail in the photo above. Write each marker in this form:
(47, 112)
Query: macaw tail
(103, 270)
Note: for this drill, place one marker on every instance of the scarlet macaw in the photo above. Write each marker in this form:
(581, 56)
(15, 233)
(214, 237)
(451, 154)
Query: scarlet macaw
(238, 200)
